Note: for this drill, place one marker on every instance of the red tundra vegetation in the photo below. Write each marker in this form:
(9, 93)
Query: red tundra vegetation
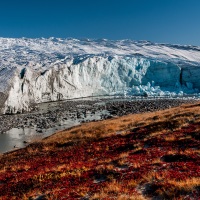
(142, 156)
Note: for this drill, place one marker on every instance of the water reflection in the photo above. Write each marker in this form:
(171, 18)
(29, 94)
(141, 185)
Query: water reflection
(20, 137)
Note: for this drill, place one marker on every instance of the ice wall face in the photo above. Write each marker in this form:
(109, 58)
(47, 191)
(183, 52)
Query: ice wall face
(93, 76)
(41, 70)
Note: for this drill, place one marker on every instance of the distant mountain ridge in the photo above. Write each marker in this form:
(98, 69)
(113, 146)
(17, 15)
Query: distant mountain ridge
(38, 70)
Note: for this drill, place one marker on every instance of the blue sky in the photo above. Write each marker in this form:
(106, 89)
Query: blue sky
(163, 21)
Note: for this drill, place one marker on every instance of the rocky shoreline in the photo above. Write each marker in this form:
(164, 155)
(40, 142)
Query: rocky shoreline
(49, 115)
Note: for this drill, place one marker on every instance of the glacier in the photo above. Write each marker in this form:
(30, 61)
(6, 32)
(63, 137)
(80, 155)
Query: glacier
(40, 70)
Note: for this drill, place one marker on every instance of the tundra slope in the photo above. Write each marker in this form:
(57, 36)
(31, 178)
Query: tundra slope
(40, 70)
(143, 156)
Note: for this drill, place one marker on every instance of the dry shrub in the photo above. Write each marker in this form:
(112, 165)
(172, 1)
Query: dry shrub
(186, 185)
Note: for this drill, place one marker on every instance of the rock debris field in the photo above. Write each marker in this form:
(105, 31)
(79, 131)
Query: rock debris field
(48, 115)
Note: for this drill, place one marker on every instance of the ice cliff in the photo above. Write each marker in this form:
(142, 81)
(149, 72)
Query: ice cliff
(40, 70)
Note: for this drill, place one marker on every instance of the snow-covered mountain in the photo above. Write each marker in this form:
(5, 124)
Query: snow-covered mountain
(40, 70)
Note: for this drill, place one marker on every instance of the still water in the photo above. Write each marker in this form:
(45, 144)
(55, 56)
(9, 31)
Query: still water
(20, 137)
